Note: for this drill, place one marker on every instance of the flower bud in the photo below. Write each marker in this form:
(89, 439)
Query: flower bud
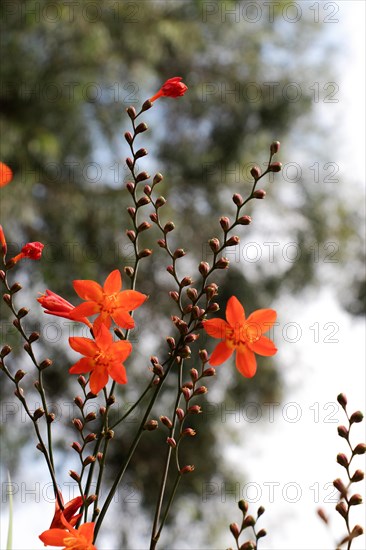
(77, 447)
(341, 509)
(140, 153)
(260, 511)
(222, 263)
(194, 374)
(82, 381)
(171, 342)
(180, 414)
(130, 187)
(194, 409)
(99, 457)
(342, 431)
(90, 417)
(19, 375)
(214, 244)
(355, 500)
(78, 424)
(322, 515)
(189, 432)
(111, 400)
(143, 227)
(171, 442)
(204, 268)
(356, 417)
(225, 223)
(342, 459)
(249, 545)
(178, 253)
(157, 178)
(203, 355)
(151, 425)
(275, 147)
(45, 364)
(249, 521)
(166, 421)
(360, 449)
(128, 137)
(129, 271)
(146, 105)
(200, 391)
(79, 401)
(131, 235)
(255, 172)
(142, 127)
(142, 176)
(74, 476)
(262, 533)
(109, 434)
(22, 312)
(38, 413)
(102, 411)
(15, 288)
(170, 269)
(235, 531)
(143, 201)
(233, 241)
(186, 393)
(132, 211)
(187, 469)
(186, 281)
(131, 112)
(237, 199)
(357, 531)
(33, 337)
(144, 253)
(5, 351)
(174, 295)
(90, 437)
(244, 220)
(89, 460)
(259, 194)
(339, 485)
(191, 338)
(154, 217)
(209, 372)
(357, 476)
(275, 167)
(192, 294)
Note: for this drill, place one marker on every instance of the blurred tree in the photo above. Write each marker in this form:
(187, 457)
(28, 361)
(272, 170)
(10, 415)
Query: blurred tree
(69, 70)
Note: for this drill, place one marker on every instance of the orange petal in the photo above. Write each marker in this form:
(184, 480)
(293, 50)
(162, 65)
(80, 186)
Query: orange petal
(54, 537)
(87, 529)
(98, 380)
(113, 283)
(263, 318)
(263, 346)
(217, 328)
(121, 350)
(246, 362)
(235, 314)
(123, 319)
(131, 299)
(84, 310)
(103, 336)
(85, 364)
(88, 290)
(82, 345)
(220, 354)
(6, 175)
(118, 373)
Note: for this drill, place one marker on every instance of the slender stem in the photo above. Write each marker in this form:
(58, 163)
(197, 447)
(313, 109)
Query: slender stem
(155, 539)
(148, 388)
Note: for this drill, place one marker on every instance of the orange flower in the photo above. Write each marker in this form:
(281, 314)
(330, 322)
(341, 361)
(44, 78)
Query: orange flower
(171, 88)
(33, 251)
(68, 512)
(4, 246)
(103, 357)
(70, 538)
(243, 335)
(109, 301)
(6, 175)
(56, 305)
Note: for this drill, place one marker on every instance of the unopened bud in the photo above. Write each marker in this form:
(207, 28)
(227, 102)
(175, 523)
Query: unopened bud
(45, 364)
(195, 409)
(203, 355)
(142, 127)
(90, 437)
(89, 460)
(322, 515)
(214, 244)
(15, 288)
(154, 217)
(78, 424)
(194, 374)
(260, 511)
(360, 449)
(342, 459)
(342, 431)
(192, 294)
(130, 186)
(244, 220)
(38, 413)
(249, 521)
(157, 178)
(33, 337)
(128, 137)
(171, 342)
(129, 271)
(187, 469)
(338, 484)
(237, 199)
(235, 531)
(171, 442)
(77, 447)
(74, 476)
(186, 281)
(249, 545)
(132, 211)
(166, 421)
(355, 500)
(90, 417)
(174, 295)
(143, 200)
(275, 147)
(131, 235)
(209, 372)
(225, 223)
(222, 263)
(262, 533)
(131, 112)
(259, 194)
(140, 153)
(82, 381)
(22, 312)
(5, 351)
(255, 172)
(204, 268)
(19, 375)
(151, 425)
(189, 432)
(160, 201)
(200, 391)
(144, 253)
(233, 241)
(142, 176)
(356, 417)
(178, 253)
(341, 509)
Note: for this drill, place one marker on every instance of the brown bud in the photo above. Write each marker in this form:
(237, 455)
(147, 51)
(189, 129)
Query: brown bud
(249, 521)
(90, 437)
(128, 137)
(184, 352)
(78, 424)
(341, 509)
(358, 476)
(154, 217)
(259, 194)
(260, 511)
(222, 263)
(195, 409)
(147, 190)
(142, 176)
(38, 413)
(249, 545)
(262, 533)
(174, 295)
(45, 364)
(237, 199)
(225, 223)
(255, 172)
(131, 111)
(157, 178)
(143, 201)
(132, 211)
(189, 432)
(15, 288)
(186, 394)
(166, 421)
(342, 459)
(19, 375)
(140, 153)
(142, 127)
(178, 253)
(151, 425)
(233, 241)
(131, 235)
(209, 372)
(82, 381)
(191, 338)
(144, 253)
(201, 390)
(27, 347)
(244, 220)
(5, 351)
(186, 281)
(171, 442)
(360, 449)
(129, 271)
(33, 337)
(235, 531)
(243, 505)
(23, 312)
(79, 401)
(357, 531)
(204, 268)
(203, 355)
(214, 244)
(355, 500)
(130, 187)
(146, 105)
(129, 163)
(143, 227)
(109, 434)
(17, 324)
(322, 515)
(160, 201)
(171, 342)
(275, 167)
(194, 374)
(74, 475)
(158, 370)
(77, 447)
(90, 417)
(338, 484)
(342, 431)
(180, 414)
(89, 460)
(111, 400)
(356, 417)
(275, 147)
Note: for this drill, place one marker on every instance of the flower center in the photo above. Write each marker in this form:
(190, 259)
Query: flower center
(109, 303)
(242, 334)
(79, 543)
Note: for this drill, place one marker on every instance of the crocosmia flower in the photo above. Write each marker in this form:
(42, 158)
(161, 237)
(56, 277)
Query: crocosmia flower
(171, 88)
(6, 175)
(245, 336)
(68, 512)
(70, 538)
(108, 301)
(102, 358)
(33, 251)
(54, 304)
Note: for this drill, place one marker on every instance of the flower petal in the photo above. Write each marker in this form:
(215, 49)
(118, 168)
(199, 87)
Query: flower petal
(263, 318)
(245, 361)
(85, 364)
(217, 328)
(88, 290)
(235, 314)
(103, 336)
(98, 380)
(113, 283)
(220, 354)
(82, 345)
(121, 350)
(118, 372)
(84, 310)
(123, 319)
(55, 537)
(131, 299)
(263, 346)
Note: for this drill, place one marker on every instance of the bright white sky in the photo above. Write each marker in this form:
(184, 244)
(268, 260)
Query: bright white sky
(300, 452)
